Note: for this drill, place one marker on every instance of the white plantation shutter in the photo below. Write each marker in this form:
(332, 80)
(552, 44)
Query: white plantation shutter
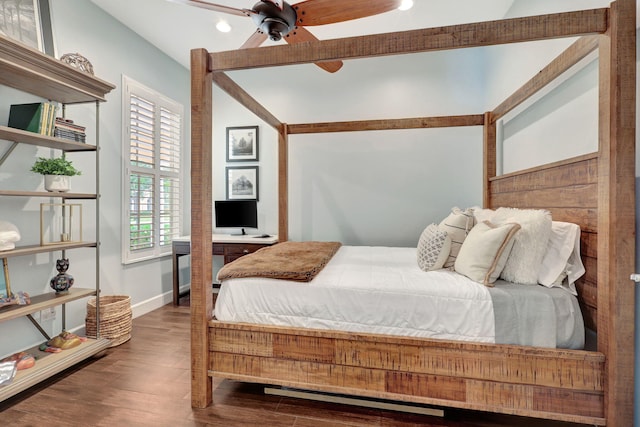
(141, 132)
(153, 140)
(170, 144)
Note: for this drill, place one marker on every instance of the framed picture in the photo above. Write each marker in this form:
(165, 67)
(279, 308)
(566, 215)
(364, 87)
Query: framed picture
(28, 21)
(5, 287)
(242, 183)
(242, 144)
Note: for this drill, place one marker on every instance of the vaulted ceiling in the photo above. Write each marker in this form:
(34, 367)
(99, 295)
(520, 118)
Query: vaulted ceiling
(176, 28)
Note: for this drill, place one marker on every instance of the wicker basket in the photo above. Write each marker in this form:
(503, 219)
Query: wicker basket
(115, 318)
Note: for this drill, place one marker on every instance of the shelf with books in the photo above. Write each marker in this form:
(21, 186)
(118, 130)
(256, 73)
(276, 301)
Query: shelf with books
(59, 84)
(32, 138)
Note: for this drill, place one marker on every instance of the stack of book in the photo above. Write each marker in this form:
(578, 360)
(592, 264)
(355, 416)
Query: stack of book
(65, 128)
(36, 117)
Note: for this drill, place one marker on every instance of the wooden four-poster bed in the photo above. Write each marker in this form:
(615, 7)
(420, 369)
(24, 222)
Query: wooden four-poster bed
(596, 191)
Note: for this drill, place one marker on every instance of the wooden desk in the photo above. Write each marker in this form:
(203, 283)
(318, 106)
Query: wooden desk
(230, 247)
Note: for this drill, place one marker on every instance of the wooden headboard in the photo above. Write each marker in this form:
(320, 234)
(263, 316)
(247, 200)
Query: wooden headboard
(569, 190)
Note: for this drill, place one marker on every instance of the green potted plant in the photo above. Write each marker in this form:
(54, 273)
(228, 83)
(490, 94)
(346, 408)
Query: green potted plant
(56, 172)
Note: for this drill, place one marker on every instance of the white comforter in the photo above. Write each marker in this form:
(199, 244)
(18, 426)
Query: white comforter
(367, 289)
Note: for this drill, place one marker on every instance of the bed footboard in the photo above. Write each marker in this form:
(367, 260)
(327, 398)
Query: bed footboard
(544, 383)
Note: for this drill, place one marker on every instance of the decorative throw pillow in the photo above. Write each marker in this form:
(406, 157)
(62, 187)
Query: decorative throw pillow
(481, 214)
(457, 226)
(433, 248)
(562, 259)
(484, 252)
(530, 243)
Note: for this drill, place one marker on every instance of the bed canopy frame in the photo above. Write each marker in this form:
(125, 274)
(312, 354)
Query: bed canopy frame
(596, 191)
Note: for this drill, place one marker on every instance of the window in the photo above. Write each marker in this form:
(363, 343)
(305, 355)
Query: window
(151, 155)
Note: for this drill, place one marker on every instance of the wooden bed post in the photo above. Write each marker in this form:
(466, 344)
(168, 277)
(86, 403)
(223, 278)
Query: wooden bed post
(616, 219)
(201, 225)
(283, 179)
(488, 156)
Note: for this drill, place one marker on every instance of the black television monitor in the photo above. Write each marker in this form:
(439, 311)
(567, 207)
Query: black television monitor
(236, 214)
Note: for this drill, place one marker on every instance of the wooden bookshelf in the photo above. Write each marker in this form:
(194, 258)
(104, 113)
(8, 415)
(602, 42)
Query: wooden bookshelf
(35, 73)
(44, 301)
(38, 249)
(69, 195)
(29, 70)
(48, 364)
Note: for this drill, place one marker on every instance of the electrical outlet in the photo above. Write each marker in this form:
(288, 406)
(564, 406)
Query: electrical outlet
(48, 314)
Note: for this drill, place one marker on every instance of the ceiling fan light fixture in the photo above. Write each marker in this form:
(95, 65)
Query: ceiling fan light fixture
(406, 5)
(223, 26)
(275, 28)
(273, 21)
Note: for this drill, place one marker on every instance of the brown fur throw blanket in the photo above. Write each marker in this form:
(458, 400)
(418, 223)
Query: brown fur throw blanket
(297, 261)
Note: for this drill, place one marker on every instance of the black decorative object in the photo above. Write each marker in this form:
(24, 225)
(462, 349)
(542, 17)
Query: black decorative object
(62, 281)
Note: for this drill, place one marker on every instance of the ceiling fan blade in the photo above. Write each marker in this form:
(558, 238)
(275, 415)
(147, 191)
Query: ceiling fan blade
(255, 40)
(217, 7)
(321, 12)
(301, 35)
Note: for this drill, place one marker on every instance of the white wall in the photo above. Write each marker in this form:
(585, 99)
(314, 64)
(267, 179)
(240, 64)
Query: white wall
(364, 188)
(114, 50)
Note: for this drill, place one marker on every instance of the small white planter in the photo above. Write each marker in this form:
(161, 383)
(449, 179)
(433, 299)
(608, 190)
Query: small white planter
(56, 183)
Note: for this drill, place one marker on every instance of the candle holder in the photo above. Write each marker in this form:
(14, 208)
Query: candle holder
(60, 223)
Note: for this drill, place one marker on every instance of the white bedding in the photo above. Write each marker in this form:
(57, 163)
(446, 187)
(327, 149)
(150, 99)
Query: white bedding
(374, 290)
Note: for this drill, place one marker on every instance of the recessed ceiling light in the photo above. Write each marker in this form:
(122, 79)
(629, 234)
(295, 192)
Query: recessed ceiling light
(406, 5)
(223, 26)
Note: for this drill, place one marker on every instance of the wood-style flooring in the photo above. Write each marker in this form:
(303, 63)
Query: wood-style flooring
(146, 382)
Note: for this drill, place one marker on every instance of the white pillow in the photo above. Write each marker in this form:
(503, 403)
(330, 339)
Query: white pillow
(433, 248)
(530, 243)
(457, 225)
(481, 214)
(485, 251)
(562, 258)
(9, 234)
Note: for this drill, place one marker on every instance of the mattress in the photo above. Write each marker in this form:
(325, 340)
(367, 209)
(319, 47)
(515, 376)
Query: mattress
(381, 290)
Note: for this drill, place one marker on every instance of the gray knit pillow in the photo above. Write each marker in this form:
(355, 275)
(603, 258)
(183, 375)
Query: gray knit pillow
(433, 248)
(457, 225)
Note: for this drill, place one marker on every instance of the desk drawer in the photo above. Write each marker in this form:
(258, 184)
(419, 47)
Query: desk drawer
(234, 251)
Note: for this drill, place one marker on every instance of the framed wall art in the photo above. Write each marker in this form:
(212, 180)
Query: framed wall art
(242, 182)
(5, 286)
(242, 144)
(28, 21)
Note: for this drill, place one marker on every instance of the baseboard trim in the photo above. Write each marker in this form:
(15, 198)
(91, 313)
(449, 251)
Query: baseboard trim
(154, 303)
(353, 401)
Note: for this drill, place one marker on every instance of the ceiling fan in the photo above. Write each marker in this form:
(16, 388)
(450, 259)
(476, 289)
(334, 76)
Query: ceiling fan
(277, 19)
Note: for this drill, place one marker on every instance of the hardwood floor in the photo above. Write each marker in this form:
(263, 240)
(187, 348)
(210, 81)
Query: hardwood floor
(146, 382)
